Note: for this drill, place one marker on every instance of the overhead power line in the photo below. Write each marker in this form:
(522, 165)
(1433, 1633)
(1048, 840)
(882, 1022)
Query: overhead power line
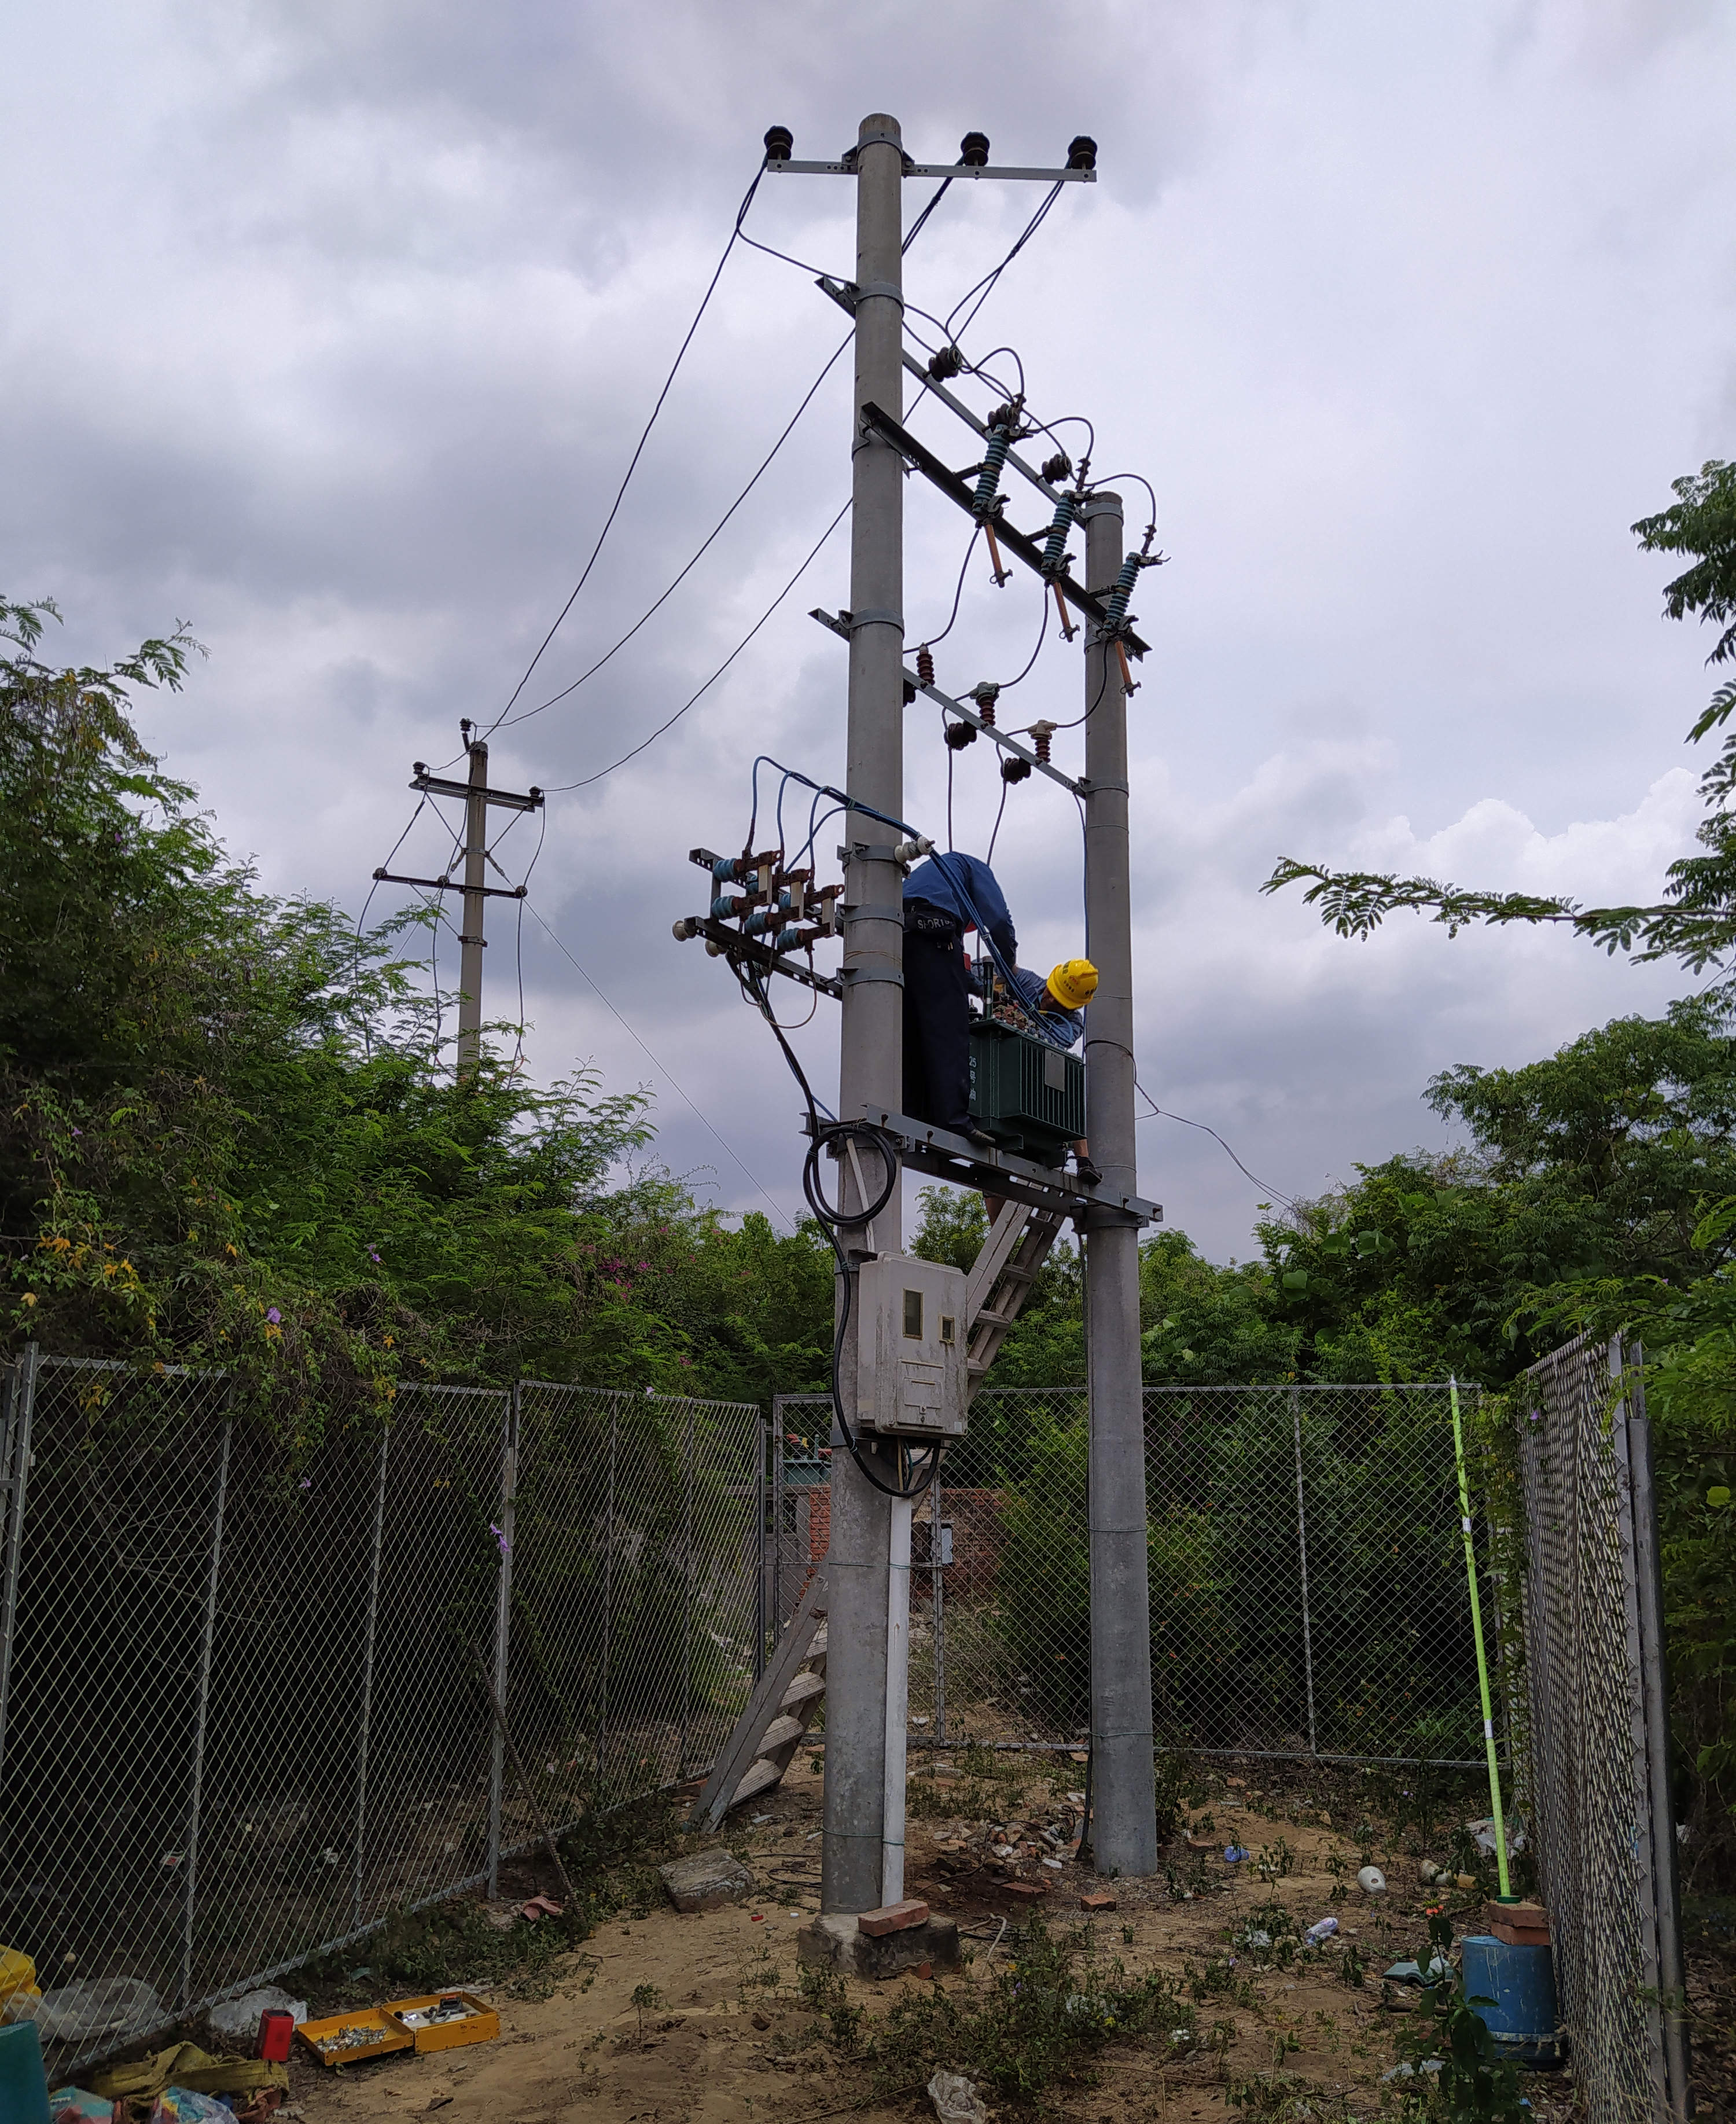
(711, 537)
(645, 436)
(561, 788)
(720, 1140)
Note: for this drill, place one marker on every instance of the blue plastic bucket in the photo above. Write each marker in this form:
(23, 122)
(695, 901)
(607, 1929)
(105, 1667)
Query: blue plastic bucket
(23, 2089)
(1512, 1991)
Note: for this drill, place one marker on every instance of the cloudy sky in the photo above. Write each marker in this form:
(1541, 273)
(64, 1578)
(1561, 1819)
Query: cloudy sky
(329, 328)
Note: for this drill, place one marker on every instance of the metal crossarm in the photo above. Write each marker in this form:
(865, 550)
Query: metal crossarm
(942, 475)
(839, 624)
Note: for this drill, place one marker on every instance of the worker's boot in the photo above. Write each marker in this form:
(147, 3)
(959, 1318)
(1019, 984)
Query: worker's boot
(1087, 1171)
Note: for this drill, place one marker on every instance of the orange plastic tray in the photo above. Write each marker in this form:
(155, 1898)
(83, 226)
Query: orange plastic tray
(383, 2034)
(481, 2024)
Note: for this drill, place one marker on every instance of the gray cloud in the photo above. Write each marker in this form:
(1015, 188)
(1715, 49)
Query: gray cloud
(329, 328)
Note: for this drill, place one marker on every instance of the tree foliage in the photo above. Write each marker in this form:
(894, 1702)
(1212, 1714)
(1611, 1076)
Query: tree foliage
(228, 1132)
(1694, 923)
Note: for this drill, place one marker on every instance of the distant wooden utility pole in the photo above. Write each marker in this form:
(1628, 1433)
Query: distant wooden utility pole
(477, 796)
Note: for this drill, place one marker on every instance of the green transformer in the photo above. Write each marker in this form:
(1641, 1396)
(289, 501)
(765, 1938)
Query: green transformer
(1030, 1097)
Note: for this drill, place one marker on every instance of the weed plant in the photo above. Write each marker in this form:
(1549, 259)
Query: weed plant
(1037, 2021)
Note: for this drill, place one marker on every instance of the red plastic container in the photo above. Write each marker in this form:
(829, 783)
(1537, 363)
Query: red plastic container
(276, 2035)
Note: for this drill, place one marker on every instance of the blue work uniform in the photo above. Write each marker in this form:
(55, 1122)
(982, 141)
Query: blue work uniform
(964, 887)
(1047, 1021)
(943, 897)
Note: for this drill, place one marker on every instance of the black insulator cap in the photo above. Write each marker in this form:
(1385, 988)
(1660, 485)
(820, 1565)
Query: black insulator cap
(909, 692)
(960, 734)
(1057, 467)
(1015, 770)
(973, 150)
(1081, 153)
(779, 141)
(945, 362)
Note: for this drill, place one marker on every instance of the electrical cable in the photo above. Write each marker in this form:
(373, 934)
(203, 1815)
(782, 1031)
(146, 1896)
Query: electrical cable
(833, 1218)
(916, 227)
(741, 215)
(562, 788)
(1160, 1113)
(929, 640)
(1006, 684)
(987, 283)
(996, 834)
(699, 554)
(614, 1013)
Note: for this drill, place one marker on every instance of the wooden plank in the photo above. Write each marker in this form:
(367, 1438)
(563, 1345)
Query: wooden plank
(801, 1689)
(795, 1647)
(761, 1777)
(780, 1732)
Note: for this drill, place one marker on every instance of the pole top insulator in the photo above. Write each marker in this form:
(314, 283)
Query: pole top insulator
(1081, 153)
(973, 151)
(780, 144)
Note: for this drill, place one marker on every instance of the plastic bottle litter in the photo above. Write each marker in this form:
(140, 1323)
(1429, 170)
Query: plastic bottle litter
(236, 2020)
(1323, 1930)
(1372, 1880)
(1233, 1854)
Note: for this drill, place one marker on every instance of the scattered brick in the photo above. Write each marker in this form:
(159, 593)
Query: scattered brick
(1102, 1901)
(894, 1917)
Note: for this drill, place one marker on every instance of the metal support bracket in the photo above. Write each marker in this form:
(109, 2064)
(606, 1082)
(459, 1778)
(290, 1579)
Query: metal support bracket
(943, 1156)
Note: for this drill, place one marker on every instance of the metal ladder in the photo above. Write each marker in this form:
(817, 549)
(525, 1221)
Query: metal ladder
(1018, 1244)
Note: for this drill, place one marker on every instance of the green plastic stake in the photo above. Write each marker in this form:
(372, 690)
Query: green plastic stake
(1476, 1631)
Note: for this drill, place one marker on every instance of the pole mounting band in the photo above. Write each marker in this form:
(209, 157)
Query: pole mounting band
(856, 976)
(877, 619)
(870, 912)
(893, 293)
(851, 156)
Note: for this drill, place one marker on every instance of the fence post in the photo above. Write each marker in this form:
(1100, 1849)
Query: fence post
(1654, 1688)
(374, 1618)
(776, 1517)
(608, 1597)
(762, 1557)
(201, 1713)
(686, 1611)
(1302, 1549)
(936, 1607)
(20, 1410)
(502, 1632)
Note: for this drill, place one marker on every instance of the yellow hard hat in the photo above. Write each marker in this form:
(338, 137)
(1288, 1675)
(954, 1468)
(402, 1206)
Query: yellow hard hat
(1073, 983)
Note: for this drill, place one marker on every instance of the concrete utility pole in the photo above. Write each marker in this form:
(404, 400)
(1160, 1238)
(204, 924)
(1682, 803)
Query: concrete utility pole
(477, 797)
(859, 1740)
(471, 939)
(1125, 1827)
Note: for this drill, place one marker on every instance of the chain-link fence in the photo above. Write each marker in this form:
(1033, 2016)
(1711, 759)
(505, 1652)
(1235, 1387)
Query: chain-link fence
(1307, 1570)
(1598, 1754)
(242, 1713)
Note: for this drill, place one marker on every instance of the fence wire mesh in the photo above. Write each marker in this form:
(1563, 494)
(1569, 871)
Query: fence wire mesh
(1307, 1570)
(242, 1714)
(1598, 1756)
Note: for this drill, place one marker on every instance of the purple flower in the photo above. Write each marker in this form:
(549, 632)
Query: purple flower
(78, 1131)
(372, 1255)
(305, 1483)
(274, 1316)
(506, 1546)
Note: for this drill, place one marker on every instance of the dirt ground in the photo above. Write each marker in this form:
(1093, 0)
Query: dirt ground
(719, 2030)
